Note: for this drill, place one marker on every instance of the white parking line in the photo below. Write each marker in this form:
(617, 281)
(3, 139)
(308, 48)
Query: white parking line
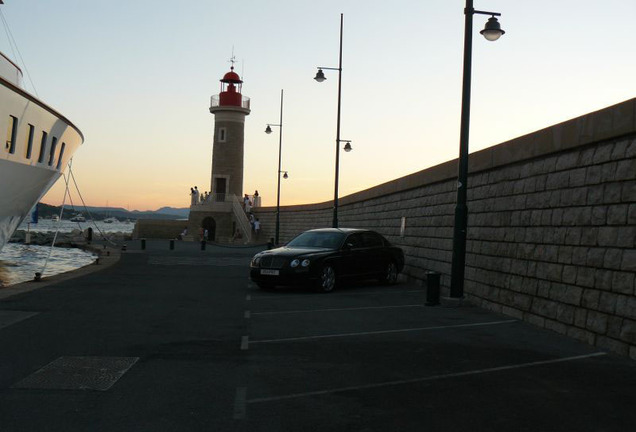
(247, 315)
(337, 310)
(312, 295)
(380, 332)
(423, 379)
(239, 403)
(245, 343)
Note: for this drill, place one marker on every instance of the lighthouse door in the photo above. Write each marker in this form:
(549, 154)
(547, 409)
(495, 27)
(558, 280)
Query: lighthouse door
(219, 189)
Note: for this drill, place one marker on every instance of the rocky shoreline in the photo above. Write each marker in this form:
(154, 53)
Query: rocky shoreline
(75, 238)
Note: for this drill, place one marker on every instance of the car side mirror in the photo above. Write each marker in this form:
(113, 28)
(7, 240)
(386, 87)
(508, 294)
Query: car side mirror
(348, 246)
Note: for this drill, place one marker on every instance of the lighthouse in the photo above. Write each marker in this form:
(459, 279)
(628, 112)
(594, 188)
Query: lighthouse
(230, 108)
(221, 214)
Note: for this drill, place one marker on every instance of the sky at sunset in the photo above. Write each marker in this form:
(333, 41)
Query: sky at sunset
(136, 77)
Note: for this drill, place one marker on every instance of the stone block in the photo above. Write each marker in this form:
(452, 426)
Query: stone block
(536, 320)
(567, 161)
(614, 326)
(577, 177)
(626, 307)
(603, 279)
(593, 174)
(603, 153)
(607, 236)
(569, 274)
(595, 257)
(607, 302)
(629, 260)
(628, 332)
(630, 151)
(612, 345)
(626, 237)
(580, 317)
(565, 314)
(595, 194)
(623, 282)
(613, 259)
(629, 192)
(589, 236)
(590, 299)
(556, 326)
(625, 170)
(582, 335)
(612, 193)
(599, 215)
(565, 255)
(617, 214)
(585, 277)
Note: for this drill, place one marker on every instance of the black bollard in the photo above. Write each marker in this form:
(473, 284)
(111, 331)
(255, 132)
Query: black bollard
(203, 242)
(143, 244)
(38, 277)
(432, 288)
(171, 244)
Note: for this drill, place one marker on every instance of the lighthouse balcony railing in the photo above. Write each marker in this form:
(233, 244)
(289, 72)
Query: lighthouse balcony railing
(215, 101)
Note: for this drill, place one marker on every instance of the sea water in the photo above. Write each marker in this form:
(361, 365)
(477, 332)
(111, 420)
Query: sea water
(20, 262)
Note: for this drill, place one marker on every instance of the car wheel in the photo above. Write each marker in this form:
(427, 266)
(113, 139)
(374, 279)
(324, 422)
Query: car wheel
(327, 280)
(265, 286)
(390, 274)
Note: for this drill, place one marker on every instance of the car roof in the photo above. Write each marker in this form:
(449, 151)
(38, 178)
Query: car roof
(338, 230)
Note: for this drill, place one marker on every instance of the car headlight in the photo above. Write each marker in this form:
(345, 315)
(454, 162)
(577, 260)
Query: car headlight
(256, 261)
(294, 263)
(305, 263)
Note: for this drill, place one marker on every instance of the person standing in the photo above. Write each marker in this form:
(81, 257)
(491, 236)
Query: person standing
(191, 196)
(196, 195)
(257, 227)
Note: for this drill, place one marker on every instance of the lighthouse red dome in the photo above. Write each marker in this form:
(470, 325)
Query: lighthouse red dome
(231, 77)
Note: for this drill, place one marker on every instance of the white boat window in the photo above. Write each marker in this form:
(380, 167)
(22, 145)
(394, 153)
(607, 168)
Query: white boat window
(29, 147)
(42, 147)
(52, 152)
(11, 134)
(59, 159)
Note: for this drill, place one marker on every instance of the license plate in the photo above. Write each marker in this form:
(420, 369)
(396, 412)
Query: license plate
(269, 272)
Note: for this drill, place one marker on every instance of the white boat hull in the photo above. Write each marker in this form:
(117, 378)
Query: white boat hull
(24, 177)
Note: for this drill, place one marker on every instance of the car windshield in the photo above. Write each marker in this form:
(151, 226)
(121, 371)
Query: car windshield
(331, 240)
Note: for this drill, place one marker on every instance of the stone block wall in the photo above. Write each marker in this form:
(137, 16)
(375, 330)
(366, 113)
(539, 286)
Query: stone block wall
(158, 229)
(551, 227)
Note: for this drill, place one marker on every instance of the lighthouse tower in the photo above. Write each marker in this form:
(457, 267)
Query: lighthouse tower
(221, 215)
(229, 108)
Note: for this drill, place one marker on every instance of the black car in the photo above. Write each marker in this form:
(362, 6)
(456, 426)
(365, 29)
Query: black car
(323, 257)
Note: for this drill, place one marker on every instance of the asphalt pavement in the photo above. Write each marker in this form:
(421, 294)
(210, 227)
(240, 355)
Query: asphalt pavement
(180, 340)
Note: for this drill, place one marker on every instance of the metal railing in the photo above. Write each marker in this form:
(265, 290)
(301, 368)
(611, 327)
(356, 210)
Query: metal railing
(215, 101)
(241, 218)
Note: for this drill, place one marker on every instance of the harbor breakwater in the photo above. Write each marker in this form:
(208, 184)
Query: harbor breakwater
(74, 238)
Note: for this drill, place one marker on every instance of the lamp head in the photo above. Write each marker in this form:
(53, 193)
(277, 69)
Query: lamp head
(268, 130)
(492, 31)
(348, 147)
(320, 76)
(285, 176)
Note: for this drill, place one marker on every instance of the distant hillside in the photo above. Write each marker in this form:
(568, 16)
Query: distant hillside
(99, 213)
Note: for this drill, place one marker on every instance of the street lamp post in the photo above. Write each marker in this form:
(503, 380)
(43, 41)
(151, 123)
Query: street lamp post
(320, 77)
(268, 130)
(491, 32)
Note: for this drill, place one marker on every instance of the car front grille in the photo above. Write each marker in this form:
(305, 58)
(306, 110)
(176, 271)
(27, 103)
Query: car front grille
(273, 262)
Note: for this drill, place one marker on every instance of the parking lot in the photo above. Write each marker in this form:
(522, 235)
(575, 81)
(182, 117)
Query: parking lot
(371, 357)
(181, 340)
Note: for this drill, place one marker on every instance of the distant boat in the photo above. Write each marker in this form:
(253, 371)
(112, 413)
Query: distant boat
(78, 218)
(39, 143)
(110, 220)
(55, 218)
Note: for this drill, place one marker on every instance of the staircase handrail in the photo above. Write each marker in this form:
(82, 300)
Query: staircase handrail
(241, 218)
